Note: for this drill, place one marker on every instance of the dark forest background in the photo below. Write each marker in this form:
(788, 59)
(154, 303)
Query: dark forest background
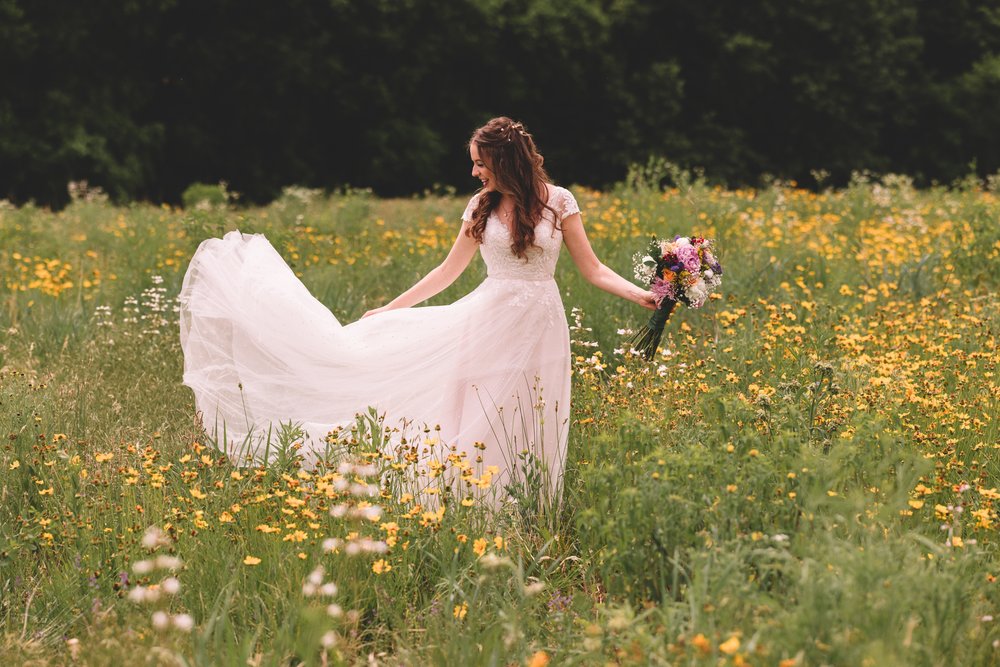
(144, 97)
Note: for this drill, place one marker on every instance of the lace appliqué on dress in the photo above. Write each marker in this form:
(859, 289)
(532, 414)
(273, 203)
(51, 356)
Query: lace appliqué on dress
(527, 281)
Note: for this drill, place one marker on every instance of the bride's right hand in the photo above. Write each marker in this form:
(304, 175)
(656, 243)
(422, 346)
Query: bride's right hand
(374, 311)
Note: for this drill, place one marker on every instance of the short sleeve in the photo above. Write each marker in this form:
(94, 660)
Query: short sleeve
(467, 216)
(566, 204)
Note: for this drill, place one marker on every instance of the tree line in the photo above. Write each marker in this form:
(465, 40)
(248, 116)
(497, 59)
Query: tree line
(144, 97)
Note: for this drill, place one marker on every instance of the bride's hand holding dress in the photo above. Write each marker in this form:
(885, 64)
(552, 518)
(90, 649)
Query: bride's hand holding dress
(438, 279)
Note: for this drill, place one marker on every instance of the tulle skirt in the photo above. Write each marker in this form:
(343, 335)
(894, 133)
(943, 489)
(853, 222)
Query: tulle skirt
(491, 370)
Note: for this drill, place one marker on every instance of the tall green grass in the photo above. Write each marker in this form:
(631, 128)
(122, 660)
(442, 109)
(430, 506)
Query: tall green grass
(804, 479)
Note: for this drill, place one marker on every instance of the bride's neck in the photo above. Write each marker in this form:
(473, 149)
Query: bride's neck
(507, 199)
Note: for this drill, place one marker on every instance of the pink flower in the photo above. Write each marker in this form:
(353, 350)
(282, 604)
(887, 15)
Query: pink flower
(662, 290)
(687, 255)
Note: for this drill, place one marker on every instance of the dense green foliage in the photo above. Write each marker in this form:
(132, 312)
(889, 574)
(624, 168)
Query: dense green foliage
(144, 97)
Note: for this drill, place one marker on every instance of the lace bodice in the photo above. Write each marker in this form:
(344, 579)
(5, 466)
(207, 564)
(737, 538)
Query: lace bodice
(540, 263)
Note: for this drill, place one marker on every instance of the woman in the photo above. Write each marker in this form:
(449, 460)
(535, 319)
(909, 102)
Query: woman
(491, 370)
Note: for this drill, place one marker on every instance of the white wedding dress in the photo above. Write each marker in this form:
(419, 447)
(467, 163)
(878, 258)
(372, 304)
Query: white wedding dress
(492, 368)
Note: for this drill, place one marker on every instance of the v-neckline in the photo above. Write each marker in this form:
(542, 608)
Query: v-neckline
(494, 214)
(502, 224)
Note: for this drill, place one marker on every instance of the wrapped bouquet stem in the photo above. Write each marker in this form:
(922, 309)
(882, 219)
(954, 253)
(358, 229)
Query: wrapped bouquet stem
(647, 339)
(683, 270)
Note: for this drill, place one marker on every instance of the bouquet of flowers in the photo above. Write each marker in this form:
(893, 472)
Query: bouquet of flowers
(684, 270)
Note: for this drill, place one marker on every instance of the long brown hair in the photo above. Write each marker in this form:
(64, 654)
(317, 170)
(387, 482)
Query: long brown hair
(509, 151)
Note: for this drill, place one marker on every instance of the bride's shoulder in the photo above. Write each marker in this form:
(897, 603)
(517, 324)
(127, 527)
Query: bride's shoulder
(471, 206)
(562, 200)
(555, 191)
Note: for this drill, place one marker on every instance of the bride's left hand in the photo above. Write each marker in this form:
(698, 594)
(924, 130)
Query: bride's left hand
(647, 300)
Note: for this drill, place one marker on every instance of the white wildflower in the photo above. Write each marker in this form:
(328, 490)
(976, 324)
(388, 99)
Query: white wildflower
(316, 576)
(183, 622)
(168, 563)
(170, 586)
(491, 561)
(534, 588)
(364, 490)
(142, 567)
(154, 537)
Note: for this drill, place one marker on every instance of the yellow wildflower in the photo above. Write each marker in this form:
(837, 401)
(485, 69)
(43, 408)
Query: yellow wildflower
(730, 646)
(539, 659)
(479, 546)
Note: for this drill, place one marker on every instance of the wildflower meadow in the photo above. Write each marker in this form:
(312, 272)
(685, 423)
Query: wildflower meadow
(805, 474)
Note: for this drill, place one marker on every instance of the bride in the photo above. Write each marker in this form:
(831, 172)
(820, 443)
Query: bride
(491, 371)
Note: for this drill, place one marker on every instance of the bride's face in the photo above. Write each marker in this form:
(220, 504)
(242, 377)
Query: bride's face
(481, 171)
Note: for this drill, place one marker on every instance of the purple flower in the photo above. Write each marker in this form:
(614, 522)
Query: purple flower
(559, 602)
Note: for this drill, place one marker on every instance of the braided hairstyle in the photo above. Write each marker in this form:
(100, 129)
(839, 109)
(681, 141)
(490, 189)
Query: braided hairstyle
(509, 151)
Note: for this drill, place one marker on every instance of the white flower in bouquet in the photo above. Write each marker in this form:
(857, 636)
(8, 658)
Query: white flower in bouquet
(645, 267)
(697, 293)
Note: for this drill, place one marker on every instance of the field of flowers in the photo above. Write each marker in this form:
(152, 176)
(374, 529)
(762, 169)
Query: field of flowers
(807, 474)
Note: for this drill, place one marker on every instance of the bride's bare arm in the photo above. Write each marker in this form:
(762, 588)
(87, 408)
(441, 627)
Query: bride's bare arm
(594, 270)
(438, 278)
